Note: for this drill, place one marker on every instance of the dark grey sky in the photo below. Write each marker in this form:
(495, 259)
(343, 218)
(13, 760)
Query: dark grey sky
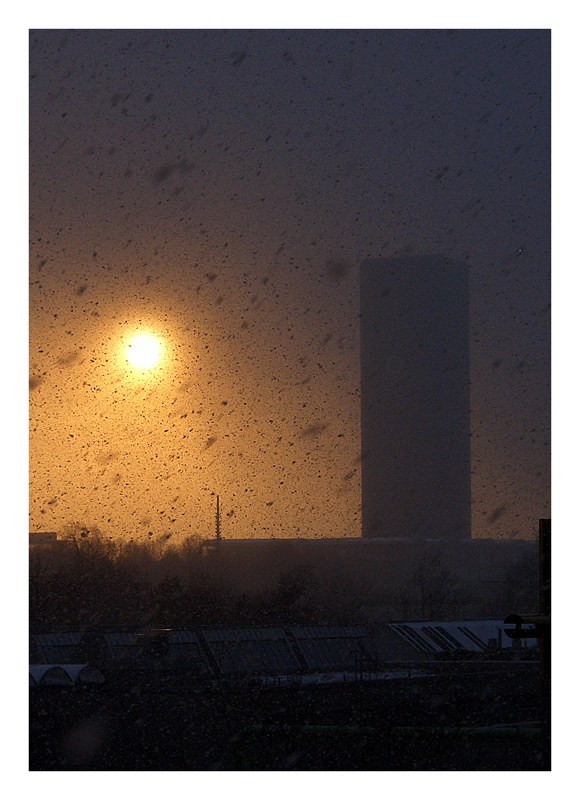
(222, 187)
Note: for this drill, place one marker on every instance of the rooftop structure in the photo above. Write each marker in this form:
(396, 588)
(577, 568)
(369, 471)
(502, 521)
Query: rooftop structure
(42, 538)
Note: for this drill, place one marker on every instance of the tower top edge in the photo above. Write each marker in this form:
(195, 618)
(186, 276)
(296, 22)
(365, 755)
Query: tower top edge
(428, 260)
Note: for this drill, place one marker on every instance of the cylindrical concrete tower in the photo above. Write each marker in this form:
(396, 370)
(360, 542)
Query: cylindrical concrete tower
(415, 398)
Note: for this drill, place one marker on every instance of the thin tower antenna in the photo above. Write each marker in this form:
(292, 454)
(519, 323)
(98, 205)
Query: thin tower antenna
(218, 535)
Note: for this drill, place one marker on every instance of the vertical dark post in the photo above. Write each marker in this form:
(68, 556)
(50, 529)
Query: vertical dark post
(545, 566)
(546, 641)
(218, 535)
(546, 599)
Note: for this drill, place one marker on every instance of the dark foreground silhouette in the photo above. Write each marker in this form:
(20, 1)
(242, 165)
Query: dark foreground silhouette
(167, 721)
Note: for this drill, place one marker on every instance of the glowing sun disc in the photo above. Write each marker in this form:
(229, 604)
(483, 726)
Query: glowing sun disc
(143, 351)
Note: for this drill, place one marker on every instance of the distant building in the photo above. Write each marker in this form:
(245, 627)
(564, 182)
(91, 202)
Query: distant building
(45, 547)
(42, 539)
(415, 398)
(382, 570)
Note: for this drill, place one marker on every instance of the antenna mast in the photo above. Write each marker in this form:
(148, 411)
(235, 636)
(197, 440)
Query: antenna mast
(218, 535)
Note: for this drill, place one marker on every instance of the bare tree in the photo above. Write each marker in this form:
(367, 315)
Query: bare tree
(432, 590)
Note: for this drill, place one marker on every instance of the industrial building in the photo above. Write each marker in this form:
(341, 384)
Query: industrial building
(304, 649)
(415, 453)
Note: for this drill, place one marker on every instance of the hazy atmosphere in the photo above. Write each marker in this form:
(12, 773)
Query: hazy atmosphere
(219, 190)
(289, 394)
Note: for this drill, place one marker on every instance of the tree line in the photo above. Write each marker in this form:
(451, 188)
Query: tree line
(91, 581)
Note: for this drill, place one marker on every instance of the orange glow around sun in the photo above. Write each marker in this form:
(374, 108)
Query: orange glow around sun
(143, 351)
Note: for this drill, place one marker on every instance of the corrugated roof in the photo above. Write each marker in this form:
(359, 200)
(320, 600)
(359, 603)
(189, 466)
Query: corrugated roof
(175, 637)
(328, 632)
(242, 634)
(57, 648)
(251, 650)
(442, 636)
(332, 647)
(123, 639)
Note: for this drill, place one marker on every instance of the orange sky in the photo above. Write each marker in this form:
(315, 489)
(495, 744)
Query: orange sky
(135, 451)
(223, 187)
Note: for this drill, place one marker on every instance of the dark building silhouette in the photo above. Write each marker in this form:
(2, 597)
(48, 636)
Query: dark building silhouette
(415, 398)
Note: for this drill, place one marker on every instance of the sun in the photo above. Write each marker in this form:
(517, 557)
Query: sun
(143, 351)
